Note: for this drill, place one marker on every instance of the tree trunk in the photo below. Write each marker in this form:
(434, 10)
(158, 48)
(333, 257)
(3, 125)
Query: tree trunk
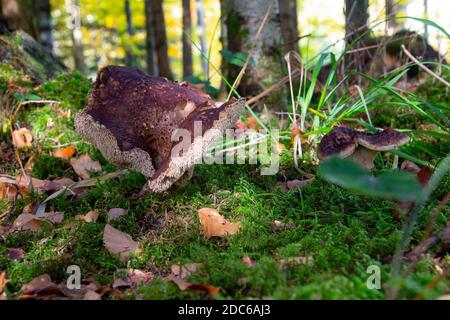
(425, 13)
(159, 27)
(289, 25)
(393, 9)
(201, 35)
(187, 34)
(19, 15)
(74, 25)
(356, 17)
(42, 10)
(149, 38)
(241, 21)
(131, 59)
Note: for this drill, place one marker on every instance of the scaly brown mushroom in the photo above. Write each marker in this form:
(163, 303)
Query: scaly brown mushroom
(362, 147)
(131, 117)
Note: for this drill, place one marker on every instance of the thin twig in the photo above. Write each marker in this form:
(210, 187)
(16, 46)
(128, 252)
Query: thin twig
(426, 69)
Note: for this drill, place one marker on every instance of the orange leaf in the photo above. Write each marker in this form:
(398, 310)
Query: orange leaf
(65, 153)
(215, 225)
(251, 122)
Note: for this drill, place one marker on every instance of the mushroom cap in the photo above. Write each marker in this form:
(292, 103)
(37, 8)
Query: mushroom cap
(131, 116)
(338, 142)
(387, 139)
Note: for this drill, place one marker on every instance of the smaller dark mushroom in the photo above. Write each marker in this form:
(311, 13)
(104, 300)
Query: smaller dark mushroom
(362, 147)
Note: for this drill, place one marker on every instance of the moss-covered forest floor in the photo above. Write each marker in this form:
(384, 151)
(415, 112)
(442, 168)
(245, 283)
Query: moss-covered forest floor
(316, 242)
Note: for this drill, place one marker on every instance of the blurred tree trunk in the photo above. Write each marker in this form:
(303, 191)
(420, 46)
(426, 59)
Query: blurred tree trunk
(425, 13)
(356, 17)
(187, 34)
(74, 25)
(19, 15)
(42, 11)
(149, 38)
(159, 27)
(289, 25)
(241, 21)
(202, 36)
(130, 58)
(393, 9)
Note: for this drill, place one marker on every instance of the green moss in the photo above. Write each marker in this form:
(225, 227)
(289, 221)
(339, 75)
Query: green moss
(343, 232)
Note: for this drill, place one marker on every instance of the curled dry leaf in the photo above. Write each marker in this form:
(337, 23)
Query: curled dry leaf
(215, 225)
(65, 153)
(8, 189)
(83, 165)
(115, 213)
(89, 217)
(131, 278)
(22, 138)
(119, 243)
(296, 261)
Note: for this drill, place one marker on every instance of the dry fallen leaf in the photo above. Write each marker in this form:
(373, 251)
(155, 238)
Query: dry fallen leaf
(119, 243)
(8, 189)
(296, 261)
(3, 281)
(131, 278)
(247, 261)
(31, 222)
(251, 123)
(294, 184)
(40, 285)
(215, 225)
(115, 213)
(53, 217)
(83, 165)
(22, 138)
(89, 217)
(27, 221)
(179, 276)
(184, 271)
(25, 182)
(92, 295)
(65, 153)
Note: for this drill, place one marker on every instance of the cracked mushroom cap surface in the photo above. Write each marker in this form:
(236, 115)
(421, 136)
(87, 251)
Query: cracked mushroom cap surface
(387, 139)
(338, 142)
(131, 116)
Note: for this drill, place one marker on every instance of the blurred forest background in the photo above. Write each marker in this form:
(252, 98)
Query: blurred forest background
(90, 34)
